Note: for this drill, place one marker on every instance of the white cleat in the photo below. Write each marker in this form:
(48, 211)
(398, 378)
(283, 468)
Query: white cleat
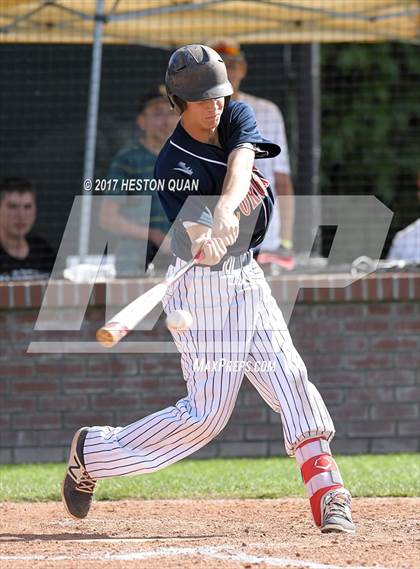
(336, 512)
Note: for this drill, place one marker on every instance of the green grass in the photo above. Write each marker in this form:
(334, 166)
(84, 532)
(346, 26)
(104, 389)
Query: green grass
(377, 475)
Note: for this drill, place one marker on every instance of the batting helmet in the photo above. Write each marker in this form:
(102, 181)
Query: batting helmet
(196, 72)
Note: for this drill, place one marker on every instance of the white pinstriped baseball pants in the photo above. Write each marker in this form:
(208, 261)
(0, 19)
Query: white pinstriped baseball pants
(235, 319)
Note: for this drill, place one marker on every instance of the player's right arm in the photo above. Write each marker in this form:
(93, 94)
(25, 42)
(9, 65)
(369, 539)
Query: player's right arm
(235, 188)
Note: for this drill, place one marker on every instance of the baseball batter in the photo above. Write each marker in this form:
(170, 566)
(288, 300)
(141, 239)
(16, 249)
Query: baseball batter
(237, 326)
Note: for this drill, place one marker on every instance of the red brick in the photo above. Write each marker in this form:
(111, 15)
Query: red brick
(339, 378)
(370, 394)
(383, 361)
(416, 286)
(349, 411)
(243, 449)
(99, 294)
(36, 293)
(76, 420)
(371, 429)
(393, 344)
(367, 326)
(5, 421)
(32, 386)
(387, 287)
(356, 289)
(407, 360)
(16, 370)
(232, 433)
(4, 296)
(323, 361)
(250, 415)
(379, 309)
(395, 445)
(333, 396)
(18, 403)
(409, 394)
(263, 433)
(372, 288)
(406, 326)
(18, 438)
(66, 403)
(19, 296)
(404, 287)
(59, 369)
(115, 401)
(409, 428)
(339, 294)
(390, 377)
(39, 421)
(86, 385)
(350, 446)
(395, 411)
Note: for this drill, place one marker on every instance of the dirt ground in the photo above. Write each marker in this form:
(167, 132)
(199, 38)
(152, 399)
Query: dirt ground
(219, 534)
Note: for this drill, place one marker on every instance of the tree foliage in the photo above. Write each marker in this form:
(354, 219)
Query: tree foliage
(371, 121)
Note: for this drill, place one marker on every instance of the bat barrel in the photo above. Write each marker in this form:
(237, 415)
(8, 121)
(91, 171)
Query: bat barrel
(111, 334)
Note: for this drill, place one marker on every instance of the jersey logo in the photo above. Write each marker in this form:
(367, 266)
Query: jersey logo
(256, 194)
(182, 167)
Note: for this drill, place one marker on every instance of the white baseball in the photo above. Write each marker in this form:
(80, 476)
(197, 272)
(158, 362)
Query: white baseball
(179, 320)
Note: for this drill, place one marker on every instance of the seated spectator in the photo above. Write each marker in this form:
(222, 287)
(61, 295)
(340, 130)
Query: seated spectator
(406, 243)
(126, 217)
(23, 254)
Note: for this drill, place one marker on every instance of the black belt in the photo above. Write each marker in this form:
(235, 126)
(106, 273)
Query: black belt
(232, 263)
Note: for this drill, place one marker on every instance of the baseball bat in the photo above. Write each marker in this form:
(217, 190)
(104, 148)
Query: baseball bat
(128, 318)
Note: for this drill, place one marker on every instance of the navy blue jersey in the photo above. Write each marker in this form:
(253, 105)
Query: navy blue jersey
(196, 170)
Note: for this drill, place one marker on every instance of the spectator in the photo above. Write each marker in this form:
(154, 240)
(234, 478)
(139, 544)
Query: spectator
(279, 237)
(406, 243)
(23, 254)
(127, 217)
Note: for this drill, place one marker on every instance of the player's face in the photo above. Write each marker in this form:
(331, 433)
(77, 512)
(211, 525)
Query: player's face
(205, 114)
(17, 214)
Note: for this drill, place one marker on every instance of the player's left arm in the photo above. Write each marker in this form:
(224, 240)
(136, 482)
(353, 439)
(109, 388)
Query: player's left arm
(235, 188)
(284, 188)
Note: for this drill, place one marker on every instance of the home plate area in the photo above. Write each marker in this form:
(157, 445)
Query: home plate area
(225, 534)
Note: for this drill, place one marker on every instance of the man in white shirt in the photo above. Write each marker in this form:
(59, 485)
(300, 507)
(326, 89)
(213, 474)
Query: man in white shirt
(406, 243)
(279, 237)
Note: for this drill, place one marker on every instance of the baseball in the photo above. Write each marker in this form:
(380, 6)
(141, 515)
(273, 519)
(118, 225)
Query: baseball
(179, 320)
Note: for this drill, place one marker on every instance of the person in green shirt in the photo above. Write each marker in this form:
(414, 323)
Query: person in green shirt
(139, 224)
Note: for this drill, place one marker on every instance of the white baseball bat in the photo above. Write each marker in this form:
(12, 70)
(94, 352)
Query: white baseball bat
(128, 318)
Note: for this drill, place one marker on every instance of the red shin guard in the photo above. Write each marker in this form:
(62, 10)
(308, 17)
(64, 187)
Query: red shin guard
(319, 472)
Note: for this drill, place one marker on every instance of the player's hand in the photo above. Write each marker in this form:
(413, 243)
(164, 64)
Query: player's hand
(212, 250)
(225, 225)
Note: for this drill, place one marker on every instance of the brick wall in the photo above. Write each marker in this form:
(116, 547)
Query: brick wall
(361, 345)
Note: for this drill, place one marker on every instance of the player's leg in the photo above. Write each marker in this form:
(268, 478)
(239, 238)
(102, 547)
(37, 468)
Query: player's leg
(278, 372)
(160, 439)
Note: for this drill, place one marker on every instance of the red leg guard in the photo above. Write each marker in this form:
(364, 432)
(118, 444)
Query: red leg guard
(319, 472)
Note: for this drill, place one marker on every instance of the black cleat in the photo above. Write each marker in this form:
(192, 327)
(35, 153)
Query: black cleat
(78, 486)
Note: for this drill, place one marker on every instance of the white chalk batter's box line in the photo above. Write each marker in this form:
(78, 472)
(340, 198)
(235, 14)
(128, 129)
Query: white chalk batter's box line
(225, 553)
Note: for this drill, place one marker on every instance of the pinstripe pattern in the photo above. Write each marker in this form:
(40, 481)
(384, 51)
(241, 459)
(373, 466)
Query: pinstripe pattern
(235, 317)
